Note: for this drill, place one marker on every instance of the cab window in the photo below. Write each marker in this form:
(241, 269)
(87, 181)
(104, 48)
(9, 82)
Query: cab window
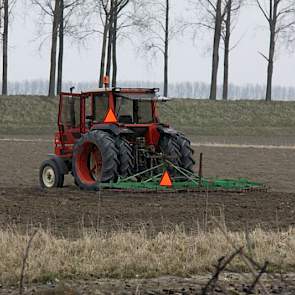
(101, 106)
(70, 113)
(145, 112)
(124, 110)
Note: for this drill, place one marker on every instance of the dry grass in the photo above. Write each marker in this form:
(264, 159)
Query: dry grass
(129, 255)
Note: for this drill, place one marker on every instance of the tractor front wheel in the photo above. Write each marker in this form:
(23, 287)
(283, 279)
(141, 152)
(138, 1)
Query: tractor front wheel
(50, 175)
(95, 160)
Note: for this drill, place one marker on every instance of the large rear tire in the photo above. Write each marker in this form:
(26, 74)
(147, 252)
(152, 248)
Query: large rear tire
(95, 160)
(179, 149)
(50, 175)
(125, 157)
(187, 161)
(170, 148)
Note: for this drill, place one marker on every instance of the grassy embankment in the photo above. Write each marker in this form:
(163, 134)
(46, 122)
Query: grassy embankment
(37, 115)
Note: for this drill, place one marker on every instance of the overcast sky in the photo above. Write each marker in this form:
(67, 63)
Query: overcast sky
(189, 61)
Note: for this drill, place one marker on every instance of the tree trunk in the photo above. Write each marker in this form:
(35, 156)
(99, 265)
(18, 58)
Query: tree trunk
(103, 51)
(166, 53)
(52, 75)
(61, 48)
(5, 48)
(110, 40)
(114, 45)
(215, 57)
(226, 50)
(268, 96)
(272, 45)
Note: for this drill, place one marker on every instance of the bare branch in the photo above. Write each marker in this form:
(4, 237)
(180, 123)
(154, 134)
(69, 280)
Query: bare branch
(264, 56)
(264, 12)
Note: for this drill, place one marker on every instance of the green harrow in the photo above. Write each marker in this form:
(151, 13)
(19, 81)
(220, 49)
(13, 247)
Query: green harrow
(182, 181)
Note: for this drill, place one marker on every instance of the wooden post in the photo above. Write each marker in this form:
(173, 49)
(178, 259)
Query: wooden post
(201, 166)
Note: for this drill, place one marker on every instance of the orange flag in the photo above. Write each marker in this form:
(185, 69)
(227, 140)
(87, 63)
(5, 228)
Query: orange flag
(110, 117)
(166, 179)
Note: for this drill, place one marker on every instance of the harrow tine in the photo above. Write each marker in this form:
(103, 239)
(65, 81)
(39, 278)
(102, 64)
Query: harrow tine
(183, 173)
(143, 172)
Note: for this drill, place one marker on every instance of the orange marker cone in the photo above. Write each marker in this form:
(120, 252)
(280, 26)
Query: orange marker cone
(110, 117)
(166, 179)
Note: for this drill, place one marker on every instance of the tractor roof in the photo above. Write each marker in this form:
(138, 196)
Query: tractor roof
(124, 90)
(132, 93)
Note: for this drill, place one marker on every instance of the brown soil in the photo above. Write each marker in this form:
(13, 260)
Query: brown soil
(20, 161)
(67, 211)
(22, 202)
(228, 284)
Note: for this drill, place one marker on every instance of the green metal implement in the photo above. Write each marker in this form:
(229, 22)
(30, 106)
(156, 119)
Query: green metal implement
(184, 181)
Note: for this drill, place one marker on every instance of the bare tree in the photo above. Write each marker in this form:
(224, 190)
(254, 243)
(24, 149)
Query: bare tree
(53, 10)
(61, 47)
(211, 15)
(118, 25)
(232, 9)
(217, 16)
(66, 27)
(60, 13)
(280, 16)
(54, 36)
(226, 39)
(114, 43)
(104, 8)
(111, 13)
(110, 39)
(5, 47)
(152, 19)
(6, 7)
(166, 51)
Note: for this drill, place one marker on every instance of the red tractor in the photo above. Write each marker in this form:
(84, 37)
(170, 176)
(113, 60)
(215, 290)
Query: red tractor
(112, 134)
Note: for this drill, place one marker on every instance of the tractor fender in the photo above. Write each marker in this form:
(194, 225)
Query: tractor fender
(62, 166)
(112, 128)
(167, 130)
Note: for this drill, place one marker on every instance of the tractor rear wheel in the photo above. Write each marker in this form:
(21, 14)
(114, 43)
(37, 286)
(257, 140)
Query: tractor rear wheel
(95, 160)
(50, 175)
(125, 157)
(169, 147)
(187, 161)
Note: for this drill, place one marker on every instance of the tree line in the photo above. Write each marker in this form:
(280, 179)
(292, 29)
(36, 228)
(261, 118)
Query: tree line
(196, 90)
(154, 25)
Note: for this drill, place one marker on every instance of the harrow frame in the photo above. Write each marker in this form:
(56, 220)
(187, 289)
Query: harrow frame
(186, 181)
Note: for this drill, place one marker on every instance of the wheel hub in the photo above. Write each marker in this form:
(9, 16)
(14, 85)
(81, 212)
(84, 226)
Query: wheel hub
(48, 177)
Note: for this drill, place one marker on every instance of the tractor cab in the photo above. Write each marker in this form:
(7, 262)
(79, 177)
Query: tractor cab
(128, 106)
(111, 134)
(132, 108)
